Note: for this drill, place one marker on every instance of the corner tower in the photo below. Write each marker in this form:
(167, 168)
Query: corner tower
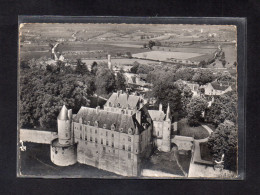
(63, 149)
(166, 136)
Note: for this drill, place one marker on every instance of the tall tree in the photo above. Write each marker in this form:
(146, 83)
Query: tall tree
(165, 90)
(94, 68)
(120, 81)
(203, 76)
(224, 141)
(81, 67)
(105, 81)
(195, 109)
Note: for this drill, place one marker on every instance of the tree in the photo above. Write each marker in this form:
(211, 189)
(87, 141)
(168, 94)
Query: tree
(224, 141)
(105, 81)
(120, 81)
(186, 96)
(224, 63)
(134, 67)
(202, 64)
(129, 55)
(224, 107)
(94, 68)
(81, 68)
(185, 74)
(151, 44)
(203, 76)
(165, 90)
(43, 92)
(195, 109)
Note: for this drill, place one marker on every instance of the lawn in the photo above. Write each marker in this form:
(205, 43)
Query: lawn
(197, 132)
(167, 162)
(205, 152)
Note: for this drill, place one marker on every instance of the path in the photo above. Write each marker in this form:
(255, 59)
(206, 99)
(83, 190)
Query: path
(196, 155)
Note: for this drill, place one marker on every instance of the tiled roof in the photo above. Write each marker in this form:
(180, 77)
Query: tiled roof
(109, 118)
(124, 100)
(157, 115)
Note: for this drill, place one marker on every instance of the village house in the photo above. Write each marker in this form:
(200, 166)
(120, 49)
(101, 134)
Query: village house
(217, 88)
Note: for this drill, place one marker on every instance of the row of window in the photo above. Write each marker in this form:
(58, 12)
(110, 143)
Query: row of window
(129, 154)
(101, 141)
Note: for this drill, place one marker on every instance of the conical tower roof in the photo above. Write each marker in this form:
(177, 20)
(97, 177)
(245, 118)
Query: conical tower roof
(63, 113)
(168, 112)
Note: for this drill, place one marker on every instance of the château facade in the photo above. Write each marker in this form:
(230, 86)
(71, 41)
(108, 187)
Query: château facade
(116, 138)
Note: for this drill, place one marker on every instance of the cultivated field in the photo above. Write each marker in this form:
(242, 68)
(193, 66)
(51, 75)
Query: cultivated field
(166, 55)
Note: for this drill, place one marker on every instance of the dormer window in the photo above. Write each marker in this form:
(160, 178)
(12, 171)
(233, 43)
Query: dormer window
(118, 105)
(80, 120)
(130, 131)
(113, 127)
(88, 122)
(122, 112)
(104, 126)
(96, 123)
(121, 129)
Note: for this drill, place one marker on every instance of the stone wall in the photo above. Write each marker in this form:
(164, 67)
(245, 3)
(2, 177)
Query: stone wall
(37, 136)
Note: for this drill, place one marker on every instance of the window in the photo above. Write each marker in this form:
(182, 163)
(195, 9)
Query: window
(90, 130)
(104, 126)
(80, 136)
(158, 133)
(101, 141)
(86, 137)
(95, 140)
(106, 133)
(129, 155)
(88, 122)
(129, 148)
(114, 151)
(66, 135)
(95, 131)
(91, 139)
(104, 149)
(129, 138)
(112, 144)
(112, 135)
(107, 143)
(123, 147)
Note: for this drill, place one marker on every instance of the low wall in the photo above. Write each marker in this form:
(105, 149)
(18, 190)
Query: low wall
(37, 136)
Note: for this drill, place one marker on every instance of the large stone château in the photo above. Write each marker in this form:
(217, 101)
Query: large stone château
(116, 138)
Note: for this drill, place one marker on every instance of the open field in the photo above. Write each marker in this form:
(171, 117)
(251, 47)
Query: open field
(164, 55)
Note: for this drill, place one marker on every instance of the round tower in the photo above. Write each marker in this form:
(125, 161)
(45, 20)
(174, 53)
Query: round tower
(63, 149)
(166, 137)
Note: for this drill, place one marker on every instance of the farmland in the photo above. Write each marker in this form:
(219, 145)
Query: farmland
(166, 55)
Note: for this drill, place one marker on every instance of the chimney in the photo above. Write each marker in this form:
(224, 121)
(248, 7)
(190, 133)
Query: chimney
(160, 107)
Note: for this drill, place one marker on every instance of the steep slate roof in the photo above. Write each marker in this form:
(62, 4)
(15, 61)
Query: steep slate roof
(124, 100)
(157, 115)
(108, 118)
(63, 113)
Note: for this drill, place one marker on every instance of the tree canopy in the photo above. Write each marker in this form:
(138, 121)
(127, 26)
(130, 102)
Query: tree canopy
(195, 108)
(224, 141)
(224, 107)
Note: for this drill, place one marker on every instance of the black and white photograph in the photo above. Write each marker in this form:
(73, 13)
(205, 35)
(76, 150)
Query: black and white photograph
(117, 100)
